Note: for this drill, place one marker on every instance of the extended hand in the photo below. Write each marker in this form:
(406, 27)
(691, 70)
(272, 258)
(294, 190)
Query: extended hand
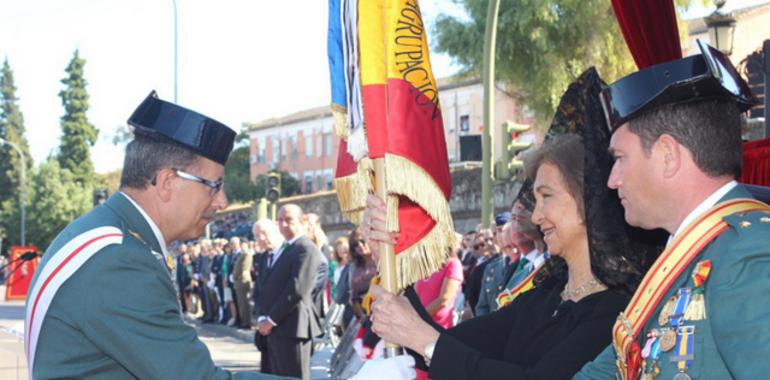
(395, 368)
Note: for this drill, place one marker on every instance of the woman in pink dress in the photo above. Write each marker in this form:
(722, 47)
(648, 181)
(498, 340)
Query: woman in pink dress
(438, 293)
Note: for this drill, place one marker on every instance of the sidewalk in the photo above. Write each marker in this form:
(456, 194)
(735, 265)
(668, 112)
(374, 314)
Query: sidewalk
(319, 362)
(13, 363)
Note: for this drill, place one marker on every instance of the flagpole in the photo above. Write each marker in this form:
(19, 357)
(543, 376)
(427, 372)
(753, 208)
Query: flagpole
(388, 273)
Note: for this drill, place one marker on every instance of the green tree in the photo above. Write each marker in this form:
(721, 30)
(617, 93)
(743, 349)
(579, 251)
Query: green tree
(542, 46)
(11, 130)
(109, 180)
(238, 185)
(56, 201)
(78, 134)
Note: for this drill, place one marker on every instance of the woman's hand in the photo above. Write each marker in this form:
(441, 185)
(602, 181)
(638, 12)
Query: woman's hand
(373, 227)
(394, 320)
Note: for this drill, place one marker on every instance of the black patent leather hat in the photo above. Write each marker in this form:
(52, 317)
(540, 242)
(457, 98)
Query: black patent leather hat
(159, 119)
(709, 75)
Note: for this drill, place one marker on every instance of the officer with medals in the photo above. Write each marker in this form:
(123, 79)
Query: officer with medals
(700, 311)
(103, 303)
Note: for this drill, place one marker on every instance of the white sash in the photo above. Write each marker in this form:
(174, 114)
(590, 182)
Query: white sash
(62, 264)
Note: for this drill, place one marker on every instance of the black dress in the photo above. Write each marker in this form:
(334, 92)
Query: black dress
(535, 337)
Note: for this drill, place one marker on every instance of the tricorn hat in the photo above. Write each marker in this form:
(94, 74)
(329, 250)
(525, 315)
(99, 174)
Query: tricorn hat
(709, 75)
(162, 120)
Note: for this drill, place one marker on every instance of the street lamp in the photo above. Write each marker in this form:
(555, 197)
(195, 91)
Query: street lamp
(721, 28)
(22, 195)
(176, 60)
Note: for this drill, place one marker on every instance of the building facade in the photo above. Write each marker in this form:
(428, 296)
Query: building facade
(752, 28)
(304, 145)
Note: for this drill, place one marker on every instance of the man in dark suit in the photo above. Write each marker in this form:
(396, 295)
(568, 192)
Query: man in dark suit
(287, 316)
(268, 239)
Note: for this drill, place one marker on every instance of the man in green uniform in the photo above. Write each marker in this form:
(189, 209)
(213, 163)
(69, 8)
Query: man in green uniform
(494, 277)
(103, 303)
(701, 310)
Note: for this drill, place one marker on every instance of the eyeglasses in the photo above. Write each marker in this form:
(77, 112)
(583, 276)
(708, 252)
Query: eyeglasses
(215, 186)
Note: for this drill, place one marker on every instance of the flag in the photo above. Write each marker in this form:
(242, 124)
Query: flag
(402, 115)
(336, 58)
(351, 179)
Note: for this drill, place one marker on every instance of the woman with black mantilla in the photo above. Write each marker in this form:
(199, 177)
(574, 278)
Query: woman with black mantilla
(597, 261)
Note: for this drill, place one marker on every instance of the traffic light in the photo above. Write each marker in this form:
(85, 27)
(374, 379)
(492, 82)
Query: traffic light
(273, 187)
(512, 147)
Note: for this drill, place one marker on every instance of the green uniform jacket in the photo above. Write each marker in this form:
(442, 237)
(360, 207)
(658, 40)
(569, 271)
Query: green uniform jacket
(491, 285)
(118, 317)
(734, 339)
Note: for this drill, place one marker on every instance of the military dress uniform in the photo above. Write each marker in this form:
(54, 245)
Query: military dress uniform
(713, 322)
(492, 284)
(103, 304)
(118, 316)
(701, 311)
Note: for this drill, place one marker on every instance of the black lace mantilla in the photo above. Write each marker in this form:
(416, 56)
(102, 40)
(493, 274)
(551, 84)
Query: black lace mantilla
(620, 254)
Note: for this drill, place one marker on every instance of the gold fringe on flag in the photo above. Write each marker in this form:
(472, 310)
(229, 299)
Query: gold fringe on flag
(407, 178)
(352, 191)
(340, 115)
(430, 253)
(425, 257)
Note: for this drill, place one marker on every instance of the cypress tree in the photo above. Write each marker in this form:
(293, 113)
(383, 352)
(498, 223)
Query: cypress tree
(78, 134)
(11, 130)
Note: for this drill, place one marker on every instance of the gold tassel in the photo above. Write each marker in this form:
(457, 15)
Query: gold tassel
(696, 309)
(340, 116)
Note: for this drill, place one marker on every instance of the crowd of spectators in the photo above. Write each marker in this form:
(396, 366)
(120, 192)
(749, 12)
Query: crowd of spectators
(216, 277)
(236, 223)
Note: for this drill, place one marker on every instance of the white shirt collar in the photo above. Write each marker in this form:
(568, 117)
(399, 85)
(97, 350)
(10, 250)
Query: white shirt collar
(705, 205)
(283, 246)
(535, 257)
(153, 226)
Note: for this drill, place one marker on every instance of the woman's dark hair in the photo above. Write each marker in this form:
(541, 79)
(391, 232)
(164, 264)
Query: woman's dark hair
(620, 254)
(355, 239)
(566, 152)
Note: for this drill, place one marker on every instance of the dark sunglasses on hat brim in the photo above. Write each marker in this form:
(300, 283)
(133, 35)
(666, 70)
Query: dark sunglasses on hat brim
(709, 75)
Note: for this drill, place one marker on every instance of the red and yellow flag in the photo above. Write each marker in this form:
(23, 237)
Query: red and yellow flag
(402, 116)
